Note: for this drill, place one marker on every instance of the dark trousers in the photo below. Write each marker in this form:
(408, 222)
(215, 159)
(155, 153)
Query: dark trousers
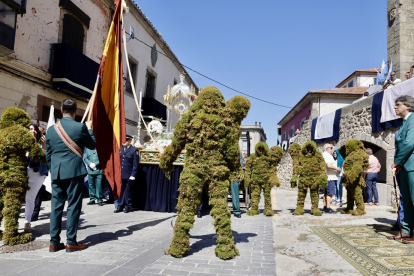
(62, 190)
(38, 201)
(407, 191)
(400, 205)
(371, 181)
(125, 201)
(235, 198)
(95, 183)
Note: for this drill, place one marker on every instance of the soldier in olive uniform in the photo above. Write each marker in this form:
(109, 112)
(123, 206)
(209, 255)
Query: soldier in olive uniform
(129, 168)
(95, 177)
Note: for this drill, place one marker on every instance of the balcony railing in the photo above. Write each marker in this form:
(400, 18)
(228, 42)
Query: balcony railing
(153, 108)
(72, 71)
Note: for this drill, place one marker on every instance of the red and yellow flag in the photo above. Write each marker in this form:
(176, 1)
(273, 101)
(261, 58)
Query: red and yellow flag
(108, 107)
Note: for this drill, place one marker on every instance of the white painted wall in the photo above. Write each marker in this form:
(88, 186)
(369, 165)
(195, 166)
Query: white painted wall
(39, 28)
(366, 80)
(35, 32)
(256, 135)
(329, 105)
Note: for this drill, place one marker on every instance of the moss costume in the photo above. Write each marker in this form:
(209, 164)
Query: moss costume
(15, 142)
(210, 133)
(261, 175)
(356, 162)
(309, 171)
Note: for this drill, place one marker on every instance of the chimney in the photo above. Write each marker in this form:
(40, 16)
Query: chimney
(255, 123)
(260, 124)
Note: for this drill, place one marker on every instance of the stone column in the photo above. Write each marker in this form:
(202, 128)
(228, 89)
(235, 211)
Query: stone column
(400, 35)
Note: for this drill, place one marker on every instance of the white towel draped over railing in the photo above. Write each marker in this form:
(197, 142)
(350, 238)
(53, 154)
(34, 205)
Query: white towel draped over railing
(390, 95)
(324, 126)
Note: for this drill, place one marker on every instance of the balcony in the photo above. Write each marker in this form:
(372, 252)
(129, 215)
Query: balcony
(153, 109)
(72, 71)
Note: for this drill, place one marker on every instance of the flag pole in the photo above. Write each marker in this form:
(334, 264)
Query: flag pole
(159, 148)
(88, 110)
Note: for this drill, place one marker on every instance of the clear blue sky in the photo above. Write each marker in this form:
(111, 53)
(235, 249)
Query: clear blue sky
(272, 49)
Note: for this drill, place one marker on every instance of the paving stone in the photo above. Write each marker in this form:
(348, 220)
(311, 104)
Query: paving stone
(175, 272)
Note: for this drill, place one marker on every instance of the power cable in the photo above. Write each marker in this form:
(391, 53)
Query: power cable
(174, 60)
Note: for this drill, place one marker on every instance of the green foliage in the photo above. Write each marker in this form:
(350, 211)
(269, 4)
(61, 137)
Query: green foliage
(261, 174)
(294, 151)
(15, 141)
(210, 133)
(356, 162)
(310, 167)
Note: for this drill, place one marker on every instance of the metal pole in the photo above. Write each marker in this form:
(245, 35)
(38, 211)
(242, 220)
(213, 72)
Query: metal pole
(248, 143)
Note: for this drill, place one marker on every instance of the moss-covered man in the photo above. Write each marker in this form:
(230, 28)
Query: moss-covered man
(261, 175)
(309, 172)
(356, 162)
(15, 142)
(209, 132)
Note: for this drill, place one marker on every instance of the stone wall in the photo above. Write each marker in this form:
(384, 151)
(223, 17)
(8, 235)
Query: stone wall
(400, 29)
(355, 124)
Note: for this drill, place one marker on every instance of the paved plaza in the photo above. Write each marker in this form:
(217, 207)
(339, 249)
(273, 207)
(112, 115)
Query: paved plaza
(134, 244)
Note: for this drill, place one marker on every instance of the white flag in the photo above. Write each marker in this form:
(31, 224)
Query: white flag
(50, 122)
(389, 72)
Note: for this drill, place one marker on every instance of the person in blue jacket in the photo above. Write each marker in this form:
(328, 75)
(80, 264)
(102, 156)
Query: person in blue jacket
(338, 187)
(129, 168)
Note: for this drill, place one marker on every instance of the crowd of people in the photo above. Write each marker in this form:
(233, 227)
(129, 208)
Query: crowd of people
(68, 172)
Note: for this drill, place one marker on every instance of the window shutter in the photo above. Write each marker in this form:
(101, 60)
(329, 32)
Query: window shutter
(73, 32)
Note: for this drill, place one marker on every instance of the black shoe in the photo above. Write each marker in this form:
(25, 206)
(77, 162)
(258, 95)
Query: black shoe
(126, 210)
(238, 216)
(118, 210)
(92, 202)
(35, 217)
(328, 210)
(100, 204)
(199, 215)
(324, 208)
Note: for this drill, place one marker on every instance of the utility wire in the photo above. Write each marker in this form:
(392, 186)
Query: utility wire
(222, 84)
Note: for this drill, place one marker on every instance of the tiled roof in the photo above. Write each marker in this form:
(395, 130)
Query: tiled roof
(349, 90)
(373, 70)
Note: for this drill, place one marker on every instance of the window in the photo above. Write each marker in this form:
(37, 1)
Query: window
(150, 88)
(7, 26)
(302, 122)
(284, 136)
(292, 131)
(244, 145)
(128, 86)
(175, 81)
(73, 32)
(351, 84)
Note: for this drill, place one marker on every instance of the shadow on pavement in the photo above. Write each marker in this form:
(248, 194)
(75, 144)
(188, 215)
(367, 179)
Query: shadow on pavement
(385, 220)
(209, 240)
(112, 236)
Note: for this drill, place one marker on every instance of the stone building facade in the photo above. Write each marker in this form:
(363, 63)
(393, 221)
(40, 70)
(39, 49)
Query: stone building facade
(400, 40)
(355, 124)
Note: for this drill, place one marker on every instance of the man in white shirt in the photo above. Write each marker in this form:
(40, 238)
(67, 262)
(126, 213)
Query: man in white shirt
(332, 171)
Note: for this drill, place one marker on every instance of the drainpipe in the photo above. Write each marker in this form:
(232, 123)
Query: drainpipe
(319, 109)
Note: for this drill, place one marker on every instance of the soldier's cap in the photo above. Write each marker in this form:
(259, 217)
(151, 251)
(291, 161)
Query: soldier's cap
(128, 137)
